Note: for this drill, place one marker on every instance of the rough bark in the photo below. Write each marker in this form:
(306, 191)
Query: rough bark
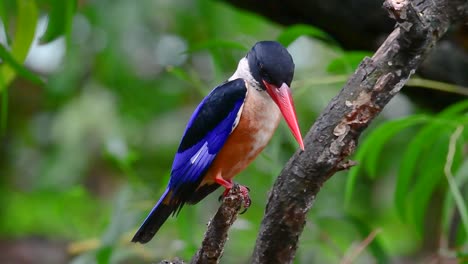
(334, 136)
(216, 235)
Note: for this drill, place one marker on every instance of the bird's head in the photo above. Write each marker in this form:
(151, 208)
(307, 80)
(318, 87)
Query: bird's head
(272, 68)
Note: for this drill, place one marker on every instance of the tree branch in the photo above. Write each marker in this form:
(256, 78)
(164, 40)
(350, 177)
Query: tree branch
(216, 234)
(212, 246)
(335, 134)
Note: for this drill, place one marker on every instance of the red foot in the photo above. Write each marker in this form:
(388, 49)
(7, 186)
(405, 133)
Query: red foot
(245, 196)
(244, 191)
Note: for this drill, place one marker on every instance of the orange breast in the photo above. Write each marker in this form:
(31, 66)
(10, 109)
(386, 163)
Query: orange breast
(259, 119)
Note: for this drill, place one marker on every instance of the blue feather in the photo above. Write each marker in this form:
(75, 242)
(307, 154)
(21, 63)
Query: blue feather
(206, 133)
(210, 126)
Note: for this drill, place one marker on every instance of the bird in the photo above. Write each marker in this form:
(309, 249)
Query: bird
(227, 131)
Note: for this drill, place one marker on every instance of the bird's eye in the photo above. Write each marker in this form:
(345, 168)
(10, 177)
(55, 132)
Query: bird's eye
(263, 72)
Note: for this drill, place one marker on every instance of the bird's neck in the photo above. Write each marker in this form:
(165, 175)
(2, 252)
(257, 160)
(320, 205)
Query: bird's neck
(243, 72)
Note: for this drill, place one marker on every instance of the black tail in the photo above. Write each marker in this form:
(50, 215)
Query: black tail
(155, 220)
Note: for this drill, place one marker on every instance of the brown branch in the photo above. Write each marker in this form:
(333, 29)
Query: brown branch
(212, 246)
(335, 134)
(216, 234)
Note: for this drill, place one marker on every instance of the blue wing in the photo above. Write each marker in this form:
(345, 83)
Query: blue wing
(205, 135)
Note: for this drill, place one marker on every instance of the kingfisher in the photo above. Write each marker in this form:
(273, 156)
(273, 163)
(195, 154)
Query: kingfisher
(227, 131)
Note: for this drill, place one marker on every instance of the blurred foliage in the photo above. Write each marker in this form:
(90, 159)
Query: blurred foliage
(95, 96)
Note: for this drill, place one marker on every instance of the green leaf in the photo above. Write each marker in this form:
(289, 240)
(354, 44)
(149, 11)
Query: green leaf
(347, 62)
(429, 176)
(460, 179)
(290, 34)
(104, 254)
(26, 26)
(7, 11)
(422, 143)
(454, 109)
(19, 68)
(372, 147)
(27, 15)
(380, 136)
(60, 19)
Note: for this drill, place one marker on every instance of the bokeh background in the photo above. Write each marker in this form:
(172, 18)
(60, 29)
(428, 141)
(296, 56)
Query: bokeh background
(95, 96)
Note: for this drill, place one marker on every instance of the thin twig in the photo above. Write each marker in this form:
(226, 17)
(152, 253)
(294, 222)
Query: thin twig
(320, 80)
(439, 86)
(417, 82)
(349, 258)
(462, 209)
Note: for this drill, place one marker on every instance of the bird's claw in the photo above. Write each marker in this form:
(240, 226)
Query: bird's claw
(244, 192)
(225, 193)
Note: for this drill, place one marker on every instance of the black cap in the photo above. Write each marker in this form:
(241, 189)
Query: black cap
(271, 62)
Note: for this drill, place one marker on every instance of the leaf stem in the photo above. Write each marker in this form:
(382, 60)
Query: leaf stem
(352, 255)
(439, 86)
(451, 180)
(414, 81)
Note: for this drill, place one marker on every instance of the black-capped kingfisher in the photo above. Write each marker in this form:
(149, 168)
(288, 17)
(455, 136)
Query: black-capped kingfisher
(227, 131)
